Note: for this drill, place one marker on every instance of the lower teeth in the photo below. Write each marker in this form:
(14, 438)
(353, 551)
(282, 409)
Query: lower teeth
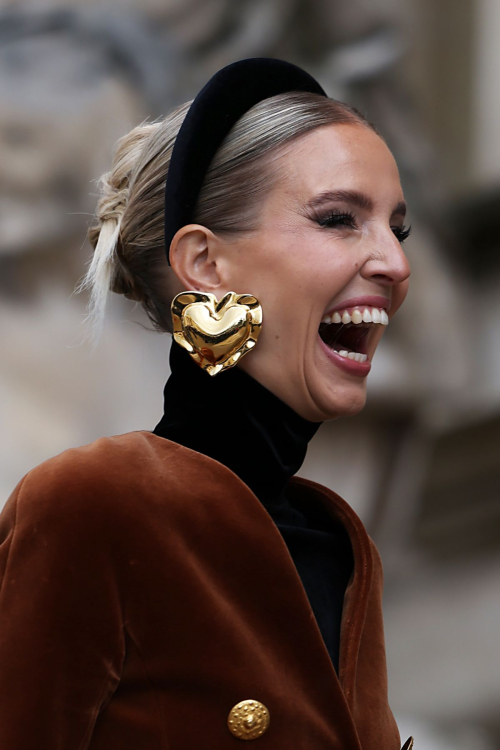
(356, 356)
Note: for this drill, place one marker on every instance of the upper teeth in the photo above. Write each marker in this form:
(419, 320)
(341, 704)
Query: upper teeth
(358, 315)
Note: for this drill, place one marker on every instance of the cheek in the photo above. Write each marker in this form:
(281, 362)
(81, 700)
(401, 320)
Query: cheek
(290, 272)
(276, 270)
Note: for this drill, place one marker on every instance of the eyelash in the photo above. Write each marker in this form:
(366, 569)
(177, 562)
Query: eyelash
(338, 220)
(349, 220)
(402, 233)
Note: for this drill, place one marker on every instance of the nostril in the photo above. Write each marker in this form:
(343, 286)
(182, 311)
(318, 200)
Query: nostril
(384, 278)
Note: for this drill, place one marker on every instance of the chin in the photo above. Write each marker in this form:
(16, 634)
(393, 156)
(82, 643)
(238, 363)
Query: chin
(347, 402)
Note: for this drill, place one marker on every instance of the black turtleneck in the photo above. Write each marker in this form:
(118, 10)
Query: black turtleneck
(238, 422)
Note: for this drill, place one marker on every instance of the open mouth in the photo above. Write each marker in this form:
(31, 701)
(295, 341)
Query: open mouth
(347, 332)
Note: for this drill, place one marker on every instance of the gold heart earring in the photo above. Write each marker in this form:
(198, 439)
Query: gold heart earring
(216, 334)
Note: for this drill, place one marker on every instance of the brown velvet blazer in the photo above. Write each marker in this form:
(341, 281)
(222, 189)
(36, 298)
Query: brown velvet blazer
(145, 591)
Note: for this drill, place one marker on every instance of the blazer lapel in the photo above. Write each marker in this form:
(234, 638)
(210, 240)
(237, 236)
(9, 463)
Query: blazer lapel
(356, 596)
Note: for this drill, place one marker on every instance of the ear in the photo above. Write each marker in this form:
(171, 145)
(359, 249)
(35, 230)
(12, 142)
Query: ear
(193, 257)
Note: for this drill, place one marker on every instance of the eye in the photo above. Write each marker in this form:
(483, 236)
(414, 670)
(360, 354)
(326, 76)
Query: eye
(338, 220)
(402, 233)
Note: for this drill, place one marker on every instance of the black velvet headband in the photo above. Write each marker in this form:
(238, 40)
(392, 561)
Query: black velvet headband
(222, 101)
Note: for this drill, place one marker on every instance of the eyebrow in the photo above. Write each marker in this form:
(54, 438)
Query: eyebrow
(354, 197)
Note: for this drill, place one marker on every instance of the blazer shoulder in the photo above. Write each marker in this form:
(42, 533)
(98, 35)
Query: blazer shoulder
(97, 474)
(129, 471)
(104, 463)
(78, 499)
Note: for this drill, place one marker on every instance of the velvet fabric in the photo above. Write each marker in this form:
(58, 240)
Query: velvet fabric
(270, 446)
(145, 591)
(226, 97)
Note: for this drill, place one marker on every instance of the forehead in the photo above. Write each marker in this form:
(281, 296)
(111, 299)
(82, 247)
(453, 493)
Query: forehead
(350, 157)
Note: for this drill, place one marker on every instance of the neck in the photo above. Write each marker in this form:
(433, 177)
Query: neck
(235, 420)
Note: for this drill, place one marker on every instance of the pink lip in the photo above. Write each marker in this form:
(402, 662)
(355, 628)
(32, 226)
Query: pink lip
(361, 369)
(380, 302)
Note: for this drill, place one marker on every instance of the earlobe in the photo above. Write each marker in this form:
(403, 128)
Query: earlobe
(193, 258)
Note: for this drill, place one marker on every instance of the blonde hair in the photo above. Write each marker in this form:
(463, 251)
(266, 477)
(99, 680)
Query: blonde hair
(128, 237)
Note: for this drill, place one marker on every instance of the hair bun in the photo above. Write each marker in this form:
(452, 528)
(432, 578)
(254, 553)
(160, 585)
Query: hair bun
(113, 204)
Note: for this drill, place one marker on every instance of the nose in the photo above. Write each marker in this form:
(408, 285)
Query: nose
(387, 264)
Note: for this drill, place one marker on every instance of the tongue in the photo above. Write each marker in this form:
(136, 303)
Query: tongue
(337, 336)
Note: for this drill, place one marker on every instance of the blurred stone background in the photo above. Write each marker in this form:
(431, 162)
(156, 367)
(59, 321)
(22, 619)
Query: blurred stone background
(421, 464)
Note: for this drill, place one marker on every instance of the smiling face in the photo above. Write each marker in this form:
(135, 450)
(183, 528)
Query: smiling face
(328, 246)
(326, 264)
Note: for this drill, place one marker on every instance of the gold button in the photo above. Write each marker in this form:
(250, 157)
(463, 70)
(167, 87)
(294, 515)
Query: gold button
(248, 720)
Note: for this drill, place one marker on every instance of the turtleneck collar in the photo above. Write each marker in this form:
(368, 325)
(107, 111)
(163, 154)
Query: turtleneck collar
(235, 420)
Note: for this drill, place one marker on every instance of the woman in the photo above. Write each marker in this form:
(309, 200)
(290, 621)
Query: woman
(179, 589)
